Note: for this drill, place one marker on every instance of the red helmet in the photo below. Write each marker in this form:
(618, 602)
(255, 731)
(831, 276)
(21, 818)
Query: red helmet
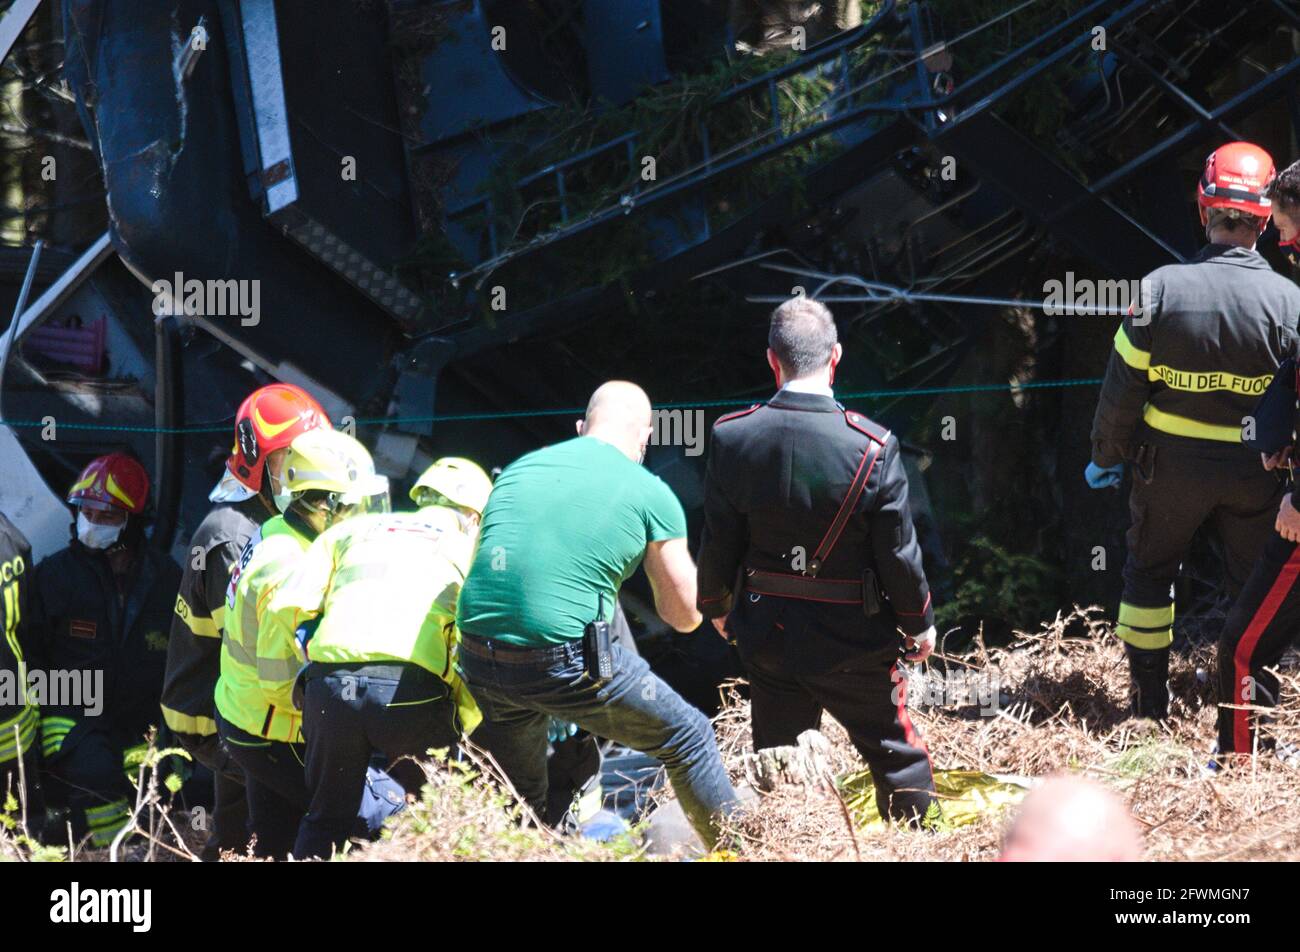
(1235, 176)
(114, 480)
(268, 420)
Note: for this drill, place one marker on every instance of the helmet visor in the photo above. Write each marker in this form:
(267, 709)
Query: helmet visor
(229, 489)
(370, 496)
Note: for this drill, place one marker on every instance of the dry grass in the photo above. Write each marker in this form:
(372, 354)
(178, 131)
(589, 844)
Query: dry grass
(1053, 701)
(1063, 707)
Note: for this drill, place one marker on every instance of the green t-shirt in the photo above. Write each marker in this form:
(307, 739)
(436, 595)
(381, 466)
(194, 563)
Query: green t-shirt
(564, 524)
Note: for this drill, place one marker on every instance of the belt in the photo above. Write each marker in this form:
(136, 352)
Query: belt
(836, 591)
(506, 653)
(381, 670)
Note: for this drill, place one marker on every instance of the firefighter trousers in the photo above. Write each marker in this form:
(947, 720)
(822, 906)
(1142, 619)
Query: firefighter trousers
(88, 777)
(1175, 493)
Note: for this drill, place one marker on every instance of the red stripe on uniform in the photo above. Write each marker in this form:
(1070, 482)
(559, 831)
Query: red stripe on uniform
(1263, 616)
(921, 612)
(909, 732)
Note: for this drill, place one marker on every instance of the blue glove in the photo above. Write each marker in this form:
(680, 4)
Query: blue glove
(304, 632)
(558, 730)
(1100, 477)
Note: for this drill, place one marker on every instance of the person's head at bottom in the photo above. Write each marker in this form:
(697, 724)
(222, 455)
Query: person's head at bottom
(1070, 819)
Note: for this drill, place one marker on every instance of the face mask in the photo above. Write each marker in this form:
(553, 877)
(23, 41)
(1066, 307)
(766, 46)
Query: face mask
(94, 535)
(282, 500)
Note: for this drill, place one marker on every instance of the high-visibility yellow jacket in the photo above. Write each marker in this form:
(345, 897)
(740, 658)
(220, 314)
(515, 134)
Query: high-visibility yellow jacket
(254, 691)
(385, 588)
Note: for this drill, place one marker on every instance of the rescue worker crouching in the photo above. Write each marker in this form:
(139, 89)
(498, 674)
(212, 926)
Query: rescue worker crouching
(269, 420)
(1188, 366)
(375, 601)
(327, 477)
(100, 610)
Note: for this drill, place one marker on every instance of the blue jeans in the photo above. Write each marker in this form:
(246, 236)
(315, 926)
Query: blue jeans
(634, 708)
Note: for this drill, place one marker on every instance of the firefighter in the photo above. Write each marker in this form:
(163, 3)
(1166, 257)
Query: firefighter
(1263, 622)
(19, 717)
(267, 422)
(101, 609)
(327, 477)
(806, 526)
(379, 595)
(1190, 361)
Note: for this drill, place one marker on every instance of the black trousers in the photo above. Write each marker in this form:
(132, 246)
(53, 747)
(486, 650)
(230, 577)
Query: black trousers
(1262, 624)
(1175, 493)
(273, 784)
(349, 713)
(867, 696)
(87, 776)
(229, 827)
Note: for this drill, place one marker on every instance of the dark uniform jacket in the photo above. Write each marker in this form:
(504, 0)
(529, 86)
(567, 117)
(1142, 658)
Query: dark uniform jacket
(194, 647)
(16, 573)
(776, 477)
(1191, 364)
(82, 622)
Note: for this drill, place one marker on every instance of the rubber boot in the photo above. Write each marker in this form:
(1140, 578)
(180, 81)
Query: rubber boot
(1149, 681)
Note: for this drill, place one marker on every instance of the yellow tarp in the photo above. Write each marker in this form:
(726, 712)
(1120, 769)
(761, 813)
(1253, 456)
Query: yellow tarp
(963, 796)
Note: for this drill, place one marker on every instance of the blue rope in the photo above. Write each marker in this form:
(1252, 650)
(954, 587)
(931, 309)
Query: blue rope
(578, 411)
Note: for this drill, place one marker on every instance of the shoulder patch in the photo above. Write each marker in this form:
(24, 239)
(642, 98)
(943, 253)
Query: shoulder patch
(868, 427)
(737, 415)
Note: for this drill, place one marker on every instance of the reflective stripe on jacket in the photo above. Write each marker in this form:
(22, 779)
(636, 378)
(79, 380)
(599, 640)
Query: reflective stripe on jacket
(266, 561)
(1195, 353)
(385, 588)
(194, 645)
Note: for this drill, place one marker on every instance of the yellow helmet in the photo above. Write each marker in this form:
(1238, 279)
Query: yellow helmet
(334, 463)
(460, 481)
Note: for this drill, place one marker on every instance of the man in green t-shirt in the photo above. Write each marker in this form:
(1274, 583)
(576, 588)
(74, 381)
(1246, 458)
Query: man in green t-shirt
(563, 529)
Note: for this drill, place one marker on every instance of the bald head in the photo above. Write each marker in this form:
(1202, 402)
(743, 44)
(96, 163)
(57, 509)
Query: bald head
(619, 413)
(618, 402)
(1073, 820)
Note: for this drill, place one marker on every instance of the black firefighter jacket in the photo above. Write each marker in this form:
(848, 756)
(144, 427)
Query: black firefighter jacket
(81, 622)
(1190, 364)
(194, 646)
(15, 648)
(776, 476)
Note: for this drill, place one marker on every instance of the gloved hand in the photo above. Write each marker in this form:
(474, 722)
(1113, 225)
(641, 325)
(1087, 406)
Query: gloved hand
(1100, 477)
(304, 633)
(558, 731)
(918, 647)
